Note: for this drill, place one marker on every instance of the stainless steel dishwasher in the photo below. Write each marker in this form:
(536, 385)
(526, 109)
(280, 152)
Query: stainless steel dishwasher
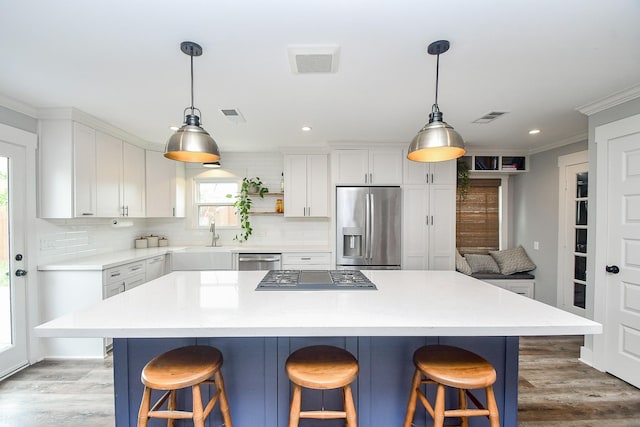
(248, 262)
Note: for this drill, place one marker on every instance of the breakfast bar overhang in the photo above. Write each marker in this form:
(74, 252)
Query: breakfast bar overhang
(256, 331)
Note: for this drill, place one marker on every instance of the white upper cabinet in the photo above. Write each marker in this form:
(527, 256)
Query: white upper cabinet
(108, 175)
(84, 165)
(380, 166)
(430, 173)
(120, 177)
(66, 169)
(306, 185)
(133, 180)
(83, 172)
(165, 190)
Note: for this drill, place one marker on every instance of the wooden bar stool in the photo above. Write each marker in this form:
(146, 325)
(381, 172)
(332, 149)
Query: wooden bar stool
(322, 367)
(453, 367)
(180, 368)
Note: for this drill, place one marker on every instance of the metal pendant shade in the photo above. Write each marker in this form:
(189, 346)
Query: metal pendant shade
(436, 141)
(191, 143)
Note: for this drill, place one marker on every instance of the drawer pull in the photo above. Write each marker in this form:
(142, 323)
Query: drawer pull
(306, 259)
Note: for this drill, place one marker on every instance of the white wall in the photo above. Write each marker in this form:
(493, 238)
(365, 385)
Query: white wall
(535, 216)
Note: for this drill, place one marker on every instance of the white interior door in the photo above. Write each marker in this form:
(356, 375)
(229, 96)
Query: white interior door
(13, 329)
(622, 326)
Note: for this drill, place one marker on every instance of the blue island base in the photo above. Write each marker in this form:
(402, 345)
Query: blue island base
(259, 389)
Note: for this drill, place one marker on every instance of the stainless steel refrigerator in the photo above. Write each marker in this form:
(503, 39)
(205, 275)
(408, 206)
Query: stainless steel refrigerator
(368, 227)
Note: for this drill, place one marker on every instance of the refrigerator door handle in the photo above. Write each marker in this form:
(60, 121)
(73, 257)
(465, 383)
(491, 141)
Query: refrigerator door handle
(372, 209)
(367, 227)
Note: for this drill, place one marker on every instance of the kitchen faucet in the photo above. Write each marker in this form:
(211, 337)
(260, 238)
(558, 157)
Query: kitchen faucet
(214, 236)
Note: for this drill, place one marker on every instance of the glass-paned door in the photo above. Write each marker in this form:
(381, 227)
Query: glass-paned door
(574, 279)
(13, 334)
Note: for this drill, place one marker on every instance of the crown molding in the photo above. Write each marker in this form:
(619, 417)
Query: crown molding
(70, 113)
(18, 106)
(584, 136)
(607, 102)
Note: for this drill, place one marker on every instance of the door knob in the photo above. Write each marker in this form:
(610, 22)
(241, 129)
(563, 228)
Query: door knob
(612, 269)
(20, 272)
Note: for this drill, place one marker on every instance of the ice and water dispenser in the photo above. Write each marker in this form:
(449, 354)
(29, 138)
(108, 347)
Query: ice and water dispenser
(353, 242)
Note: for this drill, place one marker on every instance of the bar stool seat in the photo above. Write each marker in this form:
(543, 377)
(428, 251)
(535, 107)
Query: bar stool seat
(452, 367)
(176, 369)
(322, 367)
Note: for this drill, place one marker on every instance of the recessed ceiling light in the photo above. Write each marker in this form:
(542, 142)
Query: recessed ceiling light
(306, 128)
(534, 131)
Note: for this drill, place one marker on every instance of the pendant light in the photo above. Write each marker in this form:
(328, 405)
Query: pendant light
(212, 165)
(436, 141)
(191, 143)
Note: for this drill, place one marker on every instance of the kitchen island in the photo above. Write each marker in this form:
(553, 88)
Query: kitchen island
(256, 331)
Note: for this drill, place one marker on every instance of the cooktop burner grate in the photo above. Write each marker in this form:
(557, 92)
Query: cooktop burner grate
(315, 280)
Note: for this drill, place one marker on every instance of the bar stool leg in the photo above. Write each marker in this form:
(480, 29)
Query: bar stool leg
(492, 406)
(462, 404)
(438, 417)
(294, 414)
(143, 414)
(349, 408)
(172, 407)
(224, 402)
(198, 415)
(413, 398)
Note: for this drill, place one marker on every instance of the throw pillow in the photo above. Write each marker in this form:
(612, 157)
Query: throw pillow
(513, 260)
(482, 263)
(462, 265)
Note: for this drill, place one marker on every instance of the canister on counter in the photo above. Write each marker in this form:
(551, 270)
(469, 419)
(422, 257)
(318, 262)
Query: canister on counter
(163, 241)
(141, 243)
(152, 241)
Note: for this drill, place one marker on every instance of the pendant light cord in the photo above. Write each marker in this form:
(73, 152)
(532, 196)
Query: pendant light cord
(192, 107)
(435, 107)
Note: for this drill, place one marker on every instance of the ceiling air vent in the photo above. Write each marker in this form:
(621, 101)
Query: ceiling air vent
(313, 59)
(489, 117)
(233, 115)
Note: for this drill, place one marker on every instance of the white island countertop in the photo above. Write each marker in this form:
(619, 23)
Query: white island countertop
(407, 303)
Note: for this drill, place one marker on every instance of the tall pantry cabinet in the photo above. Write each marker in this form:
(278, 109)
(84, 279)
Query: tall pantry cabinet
(429, 216)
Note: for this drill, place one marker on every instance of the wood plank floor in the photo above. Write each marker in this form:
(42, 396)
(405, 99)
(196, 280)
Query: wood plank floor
(556, 390)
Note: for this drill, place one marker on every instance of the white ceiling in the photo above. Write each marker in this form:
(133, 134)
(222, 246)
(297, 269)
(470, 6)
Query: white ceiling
(120, 61)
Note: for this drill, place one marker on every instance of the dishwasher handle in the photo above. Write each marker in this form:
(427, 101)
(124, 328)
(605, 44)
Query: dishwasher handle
(259, 258)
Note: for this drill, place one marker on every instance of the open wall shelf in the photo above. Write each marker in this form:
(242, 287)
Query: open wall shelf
(490, 163)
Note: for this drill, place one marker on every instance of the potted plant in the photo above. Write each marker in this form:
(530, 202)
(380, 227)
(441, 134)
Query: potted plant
(463, 181)
(242, 205)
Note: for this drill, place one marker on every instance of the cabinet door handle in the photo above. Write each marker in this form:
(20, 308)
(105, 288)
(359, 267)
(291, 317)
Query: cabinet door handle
(431, 219)
(173, 211)
(365, 178)
(86, 214)
(371, 178)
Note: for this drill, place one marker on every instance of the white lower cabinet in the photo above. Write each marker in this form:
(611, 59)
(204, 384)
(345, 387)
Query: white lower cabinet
(155, 267)
(65, 291)
(306, 261)
(429, 227)
(524, 287)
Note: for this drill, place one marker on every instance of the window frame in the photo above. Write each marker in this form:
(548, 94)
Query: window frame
(196, 204)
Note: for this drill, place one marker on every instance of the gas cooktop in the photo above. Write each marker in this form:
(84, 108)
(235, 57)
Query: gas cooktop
(321, 280)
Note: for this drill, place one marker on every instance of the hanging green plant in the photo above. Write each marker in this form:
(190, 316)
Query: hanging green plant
(463, 180)
(242, 205)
